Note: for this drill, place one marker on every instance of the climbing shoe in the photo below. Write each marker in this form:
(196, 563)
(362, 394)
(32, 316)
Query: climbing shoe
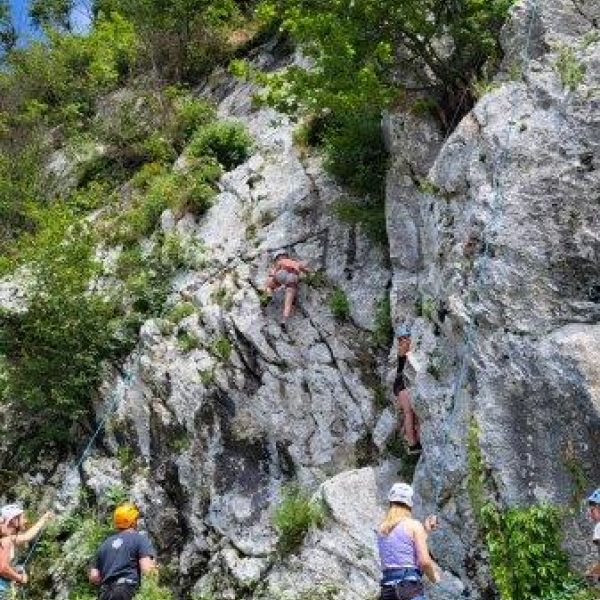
(416, 449)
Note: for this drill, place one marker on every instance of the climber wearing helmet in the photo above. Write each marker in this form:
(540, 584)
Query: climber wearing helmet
(285, 272)
(123, 557)
(594, 512)
(403, 552)
(412, 431)
(13, 522)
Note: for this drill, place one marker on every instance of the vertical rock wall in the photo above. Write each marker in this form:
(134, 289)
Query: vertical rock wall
(495, 246)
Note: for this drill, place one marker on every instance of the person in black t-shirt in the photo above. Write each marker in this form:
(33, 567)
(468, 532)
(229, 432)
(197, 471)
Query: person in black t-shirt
(411, 427)
(122, 558)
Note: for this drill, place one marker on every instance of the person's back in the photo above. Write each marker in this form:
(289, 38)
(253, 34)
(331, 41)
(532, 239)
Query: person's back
(397, 549)
(122, 558)
(118, 557)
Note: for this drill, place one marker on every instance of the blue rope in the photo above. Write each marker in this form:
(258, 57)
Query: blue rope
(86, 451)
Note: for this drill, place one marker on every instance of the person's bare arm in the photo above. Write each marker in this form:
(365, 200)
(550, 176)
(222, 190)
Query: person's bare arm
(34, 530)
(6, 571)
(147, 565)
(425, 561)
(304, 268)
(94, 576)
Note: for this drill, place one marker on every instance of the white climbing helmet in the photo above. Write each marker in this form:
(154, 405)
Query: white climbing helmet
(10, 512)
(278, 253)
(402, 493)
(402, 331)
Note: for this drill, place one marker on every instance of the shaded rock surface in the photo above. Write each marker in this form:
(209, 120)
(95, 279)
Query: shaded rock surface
(500, 283)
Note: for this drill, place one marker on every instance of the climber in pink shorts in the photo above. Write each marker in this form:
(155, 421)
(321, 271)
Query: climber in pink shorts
(285, 273)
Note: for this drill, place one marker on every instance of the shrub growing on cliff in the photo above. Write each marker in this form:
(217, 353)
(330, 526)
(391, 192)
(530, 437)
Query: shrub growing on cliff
(56, 348)
(294, 517)
(226, 141)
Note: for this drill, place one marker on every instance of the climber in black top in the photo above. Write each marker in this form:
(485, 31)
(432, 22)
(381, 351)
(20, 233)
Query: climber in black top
(412, 432)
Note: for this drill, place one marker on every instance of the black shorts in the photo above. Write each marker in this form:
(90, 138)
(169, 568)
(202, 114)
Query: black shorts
(117, 591)
(399, 385)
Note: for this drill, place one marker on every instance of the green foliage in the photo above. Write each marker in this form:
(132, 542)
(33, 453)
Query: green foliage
(8, 33)
(187, 341)
(370, 214)
(571, 71)
(191, 114)
(65, 74)
(184, 39)
(339, 305)
(221, 348)
(476, 471)
(525, 552)
(51, 13)
(355, 50)
(524, 543)
(68, 560)
(294, 517)
(152, 590)
(354, 152)
(396, 447)
(56, 348)
(226, 141)
(181, 311)
(384, 332)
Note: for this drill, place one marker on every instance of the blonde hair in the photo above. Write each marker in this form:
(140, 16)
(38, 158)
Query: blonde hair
(397, 512)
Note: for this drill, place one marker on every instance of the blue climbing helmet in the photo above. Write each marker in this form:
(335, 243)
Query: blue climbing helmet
(595, 497)
(402, 331)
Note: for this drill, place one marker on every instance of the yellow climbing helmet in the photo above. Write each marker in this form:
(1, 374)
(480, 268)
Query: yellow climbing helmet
(125, 515)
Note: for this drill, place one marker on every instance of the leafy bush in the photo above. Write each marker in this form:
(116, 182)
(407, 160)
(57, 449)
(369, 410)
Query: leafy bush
(183, 39)
(222, 348)
(294, 517)
(187, 341)
(368, 214)
(227, 141)
(525, 552)
(355, 153)
(152, 590)
(339, 305)
(191, 114)
(56, 348)
(181, 311)
(570, 69)
(524, 543)
(384, 332)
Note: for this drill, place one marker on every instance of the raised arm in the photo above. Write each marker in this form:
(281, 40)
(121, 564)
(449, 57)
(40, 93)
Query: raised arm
(425, 561)
(34, 530)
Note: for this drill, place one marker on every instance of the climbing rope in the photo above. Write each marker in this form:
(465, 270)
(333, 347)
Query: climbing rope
(111, 409)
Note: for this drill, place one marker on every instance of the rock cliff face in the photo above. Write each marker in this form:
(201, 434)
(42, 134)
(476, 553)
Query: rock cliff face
(494, 240)
(221, 426)
(494, 254)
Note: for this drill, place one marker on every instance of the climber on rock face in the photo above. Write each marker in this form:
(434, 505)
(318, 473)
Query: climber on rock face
(285, 273)
(123, 557)
(412, 432)
(594, 512)
(12, 533)
(403, 552)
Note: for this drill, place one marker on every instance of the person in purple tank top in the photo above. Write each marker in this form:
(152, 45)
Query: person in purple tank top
(403, 552)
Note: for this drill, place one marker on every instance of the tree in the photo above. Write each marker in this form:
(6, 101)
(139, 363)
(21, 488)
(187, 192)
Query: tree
(182, 36)
(8, 33)
(359, 47)
(51, 13)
